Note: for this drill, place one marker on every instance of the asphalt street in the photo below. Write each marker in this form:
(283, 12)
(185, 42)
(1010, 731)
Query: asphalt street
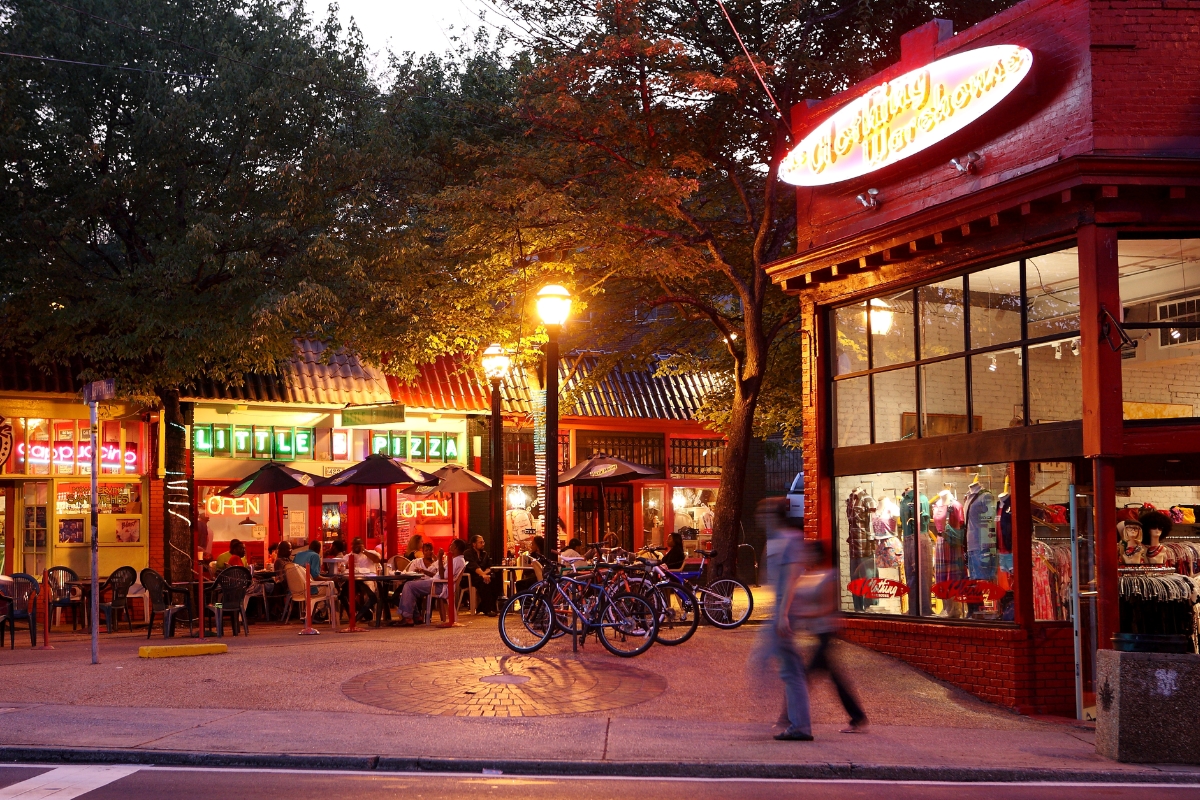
(125, 782)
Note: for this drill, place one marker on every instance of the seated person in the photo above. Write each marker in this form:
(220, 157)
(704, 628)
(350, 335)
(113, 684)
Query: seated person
(415, 547)
(416, 591)
(675, 555)
(283, 557)
(310, 558)
(235, 556)
(424, 564)
(479, 567)
(528, 577)
(365, 564)
(572, 553)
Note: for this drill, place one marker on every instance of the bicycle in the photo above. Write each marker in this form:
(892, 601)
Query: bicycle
(625, 623)
(726, 602)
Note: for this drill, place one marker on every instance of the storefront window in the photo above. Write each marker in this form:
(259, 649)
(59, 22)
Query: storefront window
(652, 516)
(1160, 295)
(692, 515)
(941, 308)
(37, 446)
(895, 405)
(853, 399)
(1049, 503)
(1000, 316)
(964, 553)
(872, 528)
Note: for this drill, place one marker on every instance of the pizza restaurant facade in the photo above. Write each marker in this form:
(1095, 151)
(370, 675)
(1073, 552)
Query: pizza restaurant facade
(999, 275)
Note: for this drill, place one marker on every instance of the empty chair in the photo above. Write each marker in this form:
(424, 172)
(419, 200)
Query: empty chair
(229, 594)
(161, 603)
(118, 584)
(322, 592)
(23, 606)
(63, 595)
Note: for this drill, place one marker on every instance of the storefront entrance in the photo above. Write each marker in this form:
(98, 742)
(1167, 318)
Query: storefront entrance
(618, 519)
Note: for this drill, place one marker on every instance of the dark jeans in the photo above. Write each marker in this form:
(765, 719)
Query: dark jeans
(486, 593)
(821, 661)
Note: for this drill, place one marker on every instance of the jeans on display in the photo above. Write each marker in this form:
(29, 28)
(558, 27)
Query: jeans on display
(981, 565)
(862, 568)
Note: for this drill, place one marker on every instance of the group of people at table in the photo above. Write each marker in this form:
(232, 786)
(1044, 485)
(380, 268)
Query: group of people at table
(470, 560)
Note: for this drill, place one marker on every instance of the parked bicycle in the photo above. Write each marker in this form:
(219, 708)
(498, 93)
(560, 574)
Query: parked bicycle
(584, 602)
(725, 603)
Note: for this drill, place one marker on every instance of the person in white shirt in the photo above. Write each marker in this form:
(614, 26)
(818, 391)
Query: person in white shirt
(425, 564)
(571, 555)
(415, 591)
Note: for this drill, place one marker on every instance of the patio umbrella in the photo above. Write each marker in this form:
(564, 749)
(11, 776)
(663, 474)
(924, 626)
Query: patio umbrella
(271, 478)
(453, 479)
(598, 470)
(379, 471)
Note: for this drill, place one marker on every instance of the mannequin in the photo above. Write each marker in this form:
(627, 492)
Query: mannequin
(1155, 527)
(1133, 552)
(979, 511)
(950, 562)
(860, 508)
(914, 524)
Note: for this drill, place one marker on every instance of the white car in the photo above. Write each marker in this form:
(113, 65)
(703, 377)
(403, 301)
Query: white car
(795, 497)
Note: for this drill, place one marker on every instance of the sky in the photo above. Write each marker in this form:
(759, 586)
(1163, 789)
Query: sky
(422, 26)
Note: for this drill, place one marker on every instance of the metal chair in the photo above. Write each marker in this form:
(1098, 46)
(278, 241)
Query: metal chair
(6, 620)
(64, 596)
(118, 583)
(229, 592)
(23, 606)
(160, 603)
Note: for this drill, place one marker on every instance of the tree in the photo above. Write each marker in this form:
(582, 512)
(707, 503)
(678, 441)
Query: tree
(183, 205)
(649, 160)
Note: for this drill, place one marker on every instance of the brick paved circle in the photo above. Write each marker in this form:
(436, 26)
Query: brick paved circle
(504, 686)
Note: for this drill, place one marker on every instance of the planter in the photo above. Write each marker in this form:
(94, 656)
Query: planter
(1146, 707)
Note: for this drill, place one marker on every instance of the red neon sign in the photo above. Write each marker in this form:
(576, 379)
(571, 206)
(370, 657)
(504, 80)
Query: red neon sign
(968, 590)
(877, 588)
(110, 454)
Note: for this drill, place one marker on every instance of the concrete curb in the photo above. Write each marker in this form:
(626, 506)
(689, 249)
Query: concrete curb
(653, 769)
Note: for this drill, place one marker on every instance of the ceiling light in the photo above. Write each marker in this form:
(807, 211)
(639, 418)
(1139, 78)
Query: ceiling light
(881, 317)
(992, 366)
(1058, 352)
(1020, 358)
(1175, 334)
(1074, 347)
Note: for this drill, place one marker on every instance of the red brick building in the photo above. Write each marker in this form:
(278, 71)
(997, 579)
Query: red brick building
(999, 272)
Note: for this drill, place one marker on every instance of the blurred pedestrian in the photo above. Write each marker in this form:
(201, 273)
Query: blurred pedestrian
(815, 610)
(785, 552)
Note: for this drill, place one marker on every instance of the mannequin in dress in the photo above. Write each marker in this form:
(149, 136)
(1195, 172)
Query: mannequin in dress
(1155, 527)
(1133, 552)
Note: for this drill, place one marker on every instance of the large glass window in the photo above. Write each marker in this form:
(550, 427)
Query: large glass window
(870, 542)
(1160, 296)
(962, 355)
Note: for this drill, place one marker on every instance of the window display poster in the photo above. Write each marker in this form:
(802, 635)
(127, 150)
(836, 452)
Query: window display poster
(70, 531)
(111, 498)
(129, 530)
(333, 518)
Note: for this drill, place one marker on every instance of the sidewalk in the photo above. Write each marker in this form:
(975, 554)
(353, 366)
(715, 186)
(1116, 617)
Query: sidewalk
(278, 699)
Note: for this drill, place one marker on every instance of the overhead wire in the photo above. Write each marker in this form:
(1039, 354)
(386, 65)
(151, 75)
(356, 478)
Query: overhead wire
(107, 66)
(762, 81)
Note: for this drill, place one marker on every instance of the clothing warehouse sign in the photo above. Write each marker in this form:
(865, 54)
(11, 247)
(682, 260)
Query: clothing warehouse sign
(902, 117)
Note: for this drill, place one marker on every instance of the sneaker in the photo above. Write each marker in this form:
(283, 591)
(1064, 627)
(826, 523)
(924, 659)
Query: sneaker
(794, 735)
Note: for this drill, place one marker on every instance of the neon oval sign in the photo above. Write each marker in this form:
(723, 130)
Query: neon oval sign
(902, 117)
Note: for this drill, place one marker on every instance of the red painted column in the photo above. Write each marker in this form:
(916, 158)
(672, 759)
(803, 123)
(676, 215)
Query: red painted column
(1103, 415)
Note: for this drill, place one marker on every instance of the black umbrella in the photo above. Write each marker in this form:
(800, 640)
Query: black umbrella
(272, 478)
(379, 471)
(599, 470)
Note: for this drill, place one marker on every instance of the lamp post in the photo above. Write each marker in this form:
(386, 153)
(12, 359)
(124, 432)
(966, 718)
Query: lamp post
(553, 305)
(495, 366)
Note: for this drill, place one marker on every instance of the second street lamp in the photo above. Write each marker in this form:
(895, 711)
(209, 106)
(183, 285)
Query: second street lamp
(554, 306)
(495, 366)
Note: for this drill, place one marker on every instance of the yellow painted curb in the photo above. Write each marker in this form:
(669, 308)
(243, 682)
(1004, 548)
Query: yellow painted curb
(170, 651)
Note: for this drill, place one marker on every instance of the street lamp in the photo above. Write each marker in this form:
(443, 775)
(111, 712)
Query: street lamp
(553, 305)
(495, 366)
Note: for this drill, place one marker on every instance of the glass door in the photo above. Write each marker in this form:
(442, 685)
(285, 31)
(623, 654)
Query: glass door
(1083, 600)
(33, 539)
(652, 515)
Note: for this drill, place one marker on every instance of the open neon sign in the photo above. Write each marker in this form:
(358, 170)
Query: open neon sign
(902, 117)
(110, 454)
(411, 509)
(218, 506)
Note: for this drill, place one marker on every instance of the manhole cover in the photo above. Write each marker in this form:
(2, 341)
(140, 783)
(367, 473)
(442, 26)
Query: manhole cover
(505, 686)
(509, 679)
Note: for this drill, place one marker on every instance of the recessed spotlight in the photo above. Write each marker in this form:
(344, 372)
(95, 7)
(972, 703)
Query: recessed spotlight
(1058, 352)
(1074, 347)
(992, 366)
(1175, 334)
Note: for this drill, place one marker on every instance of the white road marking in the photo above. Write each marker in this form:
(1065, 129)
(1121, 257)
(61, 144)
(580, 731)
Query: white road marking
(65, 783)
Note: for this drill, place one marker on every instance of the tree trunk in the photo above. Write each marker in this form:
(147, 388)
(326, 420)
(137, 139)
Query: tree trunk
(179, 515)
(728, 515)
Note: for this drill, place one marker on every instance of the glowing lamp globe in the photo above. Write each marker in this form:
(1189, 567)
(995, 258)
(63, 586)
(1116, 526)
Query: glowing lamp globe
(553, 304)
(495, 361)
(881, 317)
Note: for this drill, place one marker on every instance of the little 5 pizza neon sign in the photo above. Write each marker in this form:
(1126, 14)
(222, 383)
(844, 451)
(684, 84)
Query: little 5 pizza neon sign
(904, 116)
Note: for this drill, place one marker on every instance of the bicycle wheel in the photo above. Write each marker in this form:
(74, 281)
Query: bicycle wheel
(628, 626)
(524, 623)
(678, 616)
(726, 602)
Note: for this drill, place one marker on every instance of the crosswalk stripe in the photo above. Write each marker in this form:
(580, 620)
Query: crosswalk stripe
(64, 783)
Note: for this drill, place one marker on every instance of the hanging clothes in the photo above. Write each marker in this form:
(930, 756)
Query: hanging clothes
(1004, 523)
(977, 508)
(1043, 592)
(859, 508)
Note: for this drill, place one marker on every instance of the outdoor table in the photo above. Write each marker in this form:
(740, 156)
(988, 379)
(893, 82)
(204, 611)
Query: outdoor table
(382, 582)
(510, 574)
(84, 585)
